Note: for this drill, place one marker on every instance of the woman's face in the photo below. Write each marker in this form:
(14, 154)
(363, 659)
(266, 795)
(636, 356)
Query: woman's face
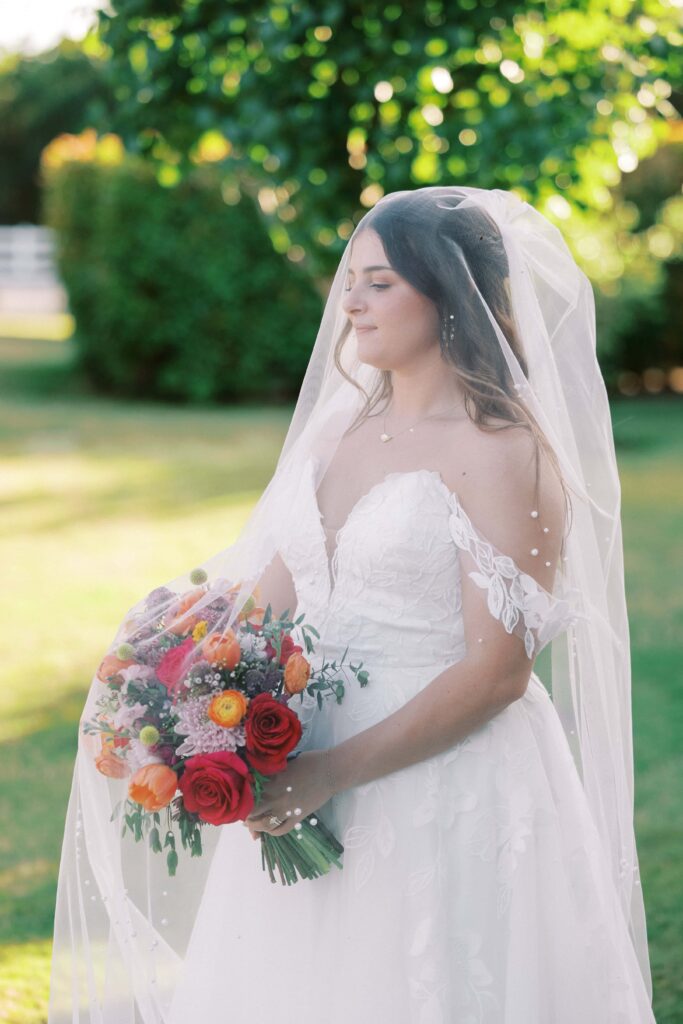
(394, 323)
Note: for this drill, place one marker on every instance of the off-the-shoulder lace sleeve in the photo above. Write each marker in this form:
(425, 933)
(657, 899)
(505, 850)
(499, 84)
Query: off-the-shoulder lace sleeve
(513, 597)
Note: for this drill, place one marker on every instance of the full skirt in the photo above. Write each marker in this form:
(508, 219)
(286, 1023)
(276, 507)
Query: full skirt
(474, 891)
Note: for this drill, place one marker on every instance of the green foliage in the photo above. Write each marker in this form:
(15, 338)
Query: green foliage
(638, 329)
(337, 104)
(176, 294)
(40, 97)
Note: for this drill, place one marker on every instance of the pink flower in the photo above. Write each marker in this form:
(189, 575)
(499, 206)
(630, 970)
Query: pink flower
(135, 674)
(174, 664)
(128, 714)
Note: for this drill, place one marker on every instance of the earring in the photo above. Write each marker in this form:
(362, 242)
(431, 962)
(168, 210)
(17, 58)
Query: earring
(448, 329)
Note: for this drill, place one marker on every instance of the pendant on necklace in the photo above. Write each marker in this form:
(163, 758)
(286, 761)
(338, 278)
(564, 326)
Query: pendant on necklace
(385, 437)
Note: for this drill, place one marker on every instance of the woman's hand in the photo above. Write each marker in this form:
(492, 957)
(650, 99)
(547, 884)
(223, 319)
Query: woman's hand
(309, 778)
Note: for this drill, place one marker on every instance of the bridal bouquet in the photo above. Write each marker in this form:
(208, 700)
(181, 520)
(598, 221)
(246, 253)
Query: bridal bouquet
(197, 717)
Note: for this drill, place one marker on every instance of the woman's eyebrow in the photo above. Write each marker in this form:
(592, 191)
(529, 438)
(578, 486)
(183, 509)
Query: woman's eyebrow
(366, 270)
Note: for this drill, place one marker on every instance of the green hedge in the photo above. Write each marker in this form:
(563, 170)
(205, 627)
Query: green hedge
(176, 294)
(639, 328)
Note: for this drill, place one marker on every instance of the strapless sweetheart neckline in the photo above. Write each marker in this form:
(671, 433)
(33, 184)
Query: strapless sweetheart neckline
(333, 560)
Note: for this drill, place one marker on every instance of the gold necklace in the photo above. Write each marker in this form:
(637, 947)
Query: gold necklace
(389, 437)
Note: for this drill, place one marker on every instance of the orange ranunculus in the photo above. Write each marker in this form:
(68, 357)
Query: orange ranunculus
(110, 665)
(228, 708)
(222, 649)
(111, 765)
(180, 622)
(297, 673)
(153, 786)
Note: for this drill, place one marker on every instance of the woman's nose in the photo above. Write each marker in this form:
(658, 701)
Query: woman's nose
(352, 301)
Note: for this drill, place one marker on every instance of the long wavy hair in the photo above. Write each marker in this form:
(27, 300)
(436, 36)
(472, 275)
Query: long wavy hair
(422, 243)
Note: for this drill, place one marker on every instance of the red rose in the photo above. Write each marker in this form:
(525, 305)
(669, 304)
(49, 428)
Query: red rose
(272, 731)
(217, 787)
(172, 667)
(288, 647)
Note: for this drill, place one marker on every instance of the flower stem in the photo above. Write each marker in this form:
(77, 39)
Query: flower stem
(309, 852)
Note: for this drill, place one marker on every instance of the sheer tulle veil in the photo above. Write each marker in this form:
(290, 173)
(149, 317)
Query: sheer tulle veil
(122, 924)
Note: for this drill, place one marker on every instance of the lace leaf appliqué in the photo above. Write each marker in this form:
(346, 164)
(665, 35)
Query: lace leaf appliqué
(513, 597)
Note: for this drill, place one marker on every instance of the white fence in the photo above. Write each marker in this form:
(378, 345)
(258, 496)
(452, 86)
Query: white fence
(29, 282)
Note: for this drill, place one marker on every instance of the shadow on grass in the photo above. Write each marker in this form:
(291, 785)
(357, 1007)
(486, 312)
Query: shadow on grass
(658, 726)
(40, 369)
(37, 774)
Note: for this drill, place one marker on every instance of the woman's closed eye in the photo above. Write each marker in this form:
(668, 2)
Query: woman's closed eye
(380, 286)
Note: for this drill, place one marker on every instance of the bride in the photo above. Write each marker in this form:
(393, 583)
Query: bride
(445, 508)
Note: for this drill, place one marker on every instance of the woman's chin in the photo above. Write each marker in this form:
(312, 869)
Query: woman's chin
(371, 358)
(368, 352)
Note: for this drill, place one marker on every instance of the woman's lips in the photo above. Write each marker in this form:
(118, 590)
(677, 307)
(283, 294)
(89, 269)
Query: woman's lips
(362, 330)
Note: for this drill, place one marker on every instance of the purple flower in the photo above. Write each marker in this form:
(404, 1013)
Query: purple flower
(159, 596)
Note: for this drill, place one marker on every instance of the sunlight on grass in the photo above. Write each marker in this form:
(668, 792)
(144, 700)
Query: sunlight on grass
(24, 982)
(82, 579)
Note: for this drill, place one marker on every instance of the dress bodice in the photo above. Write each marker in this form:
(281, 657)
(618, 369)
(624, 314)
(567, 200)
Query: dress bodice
(391, 591)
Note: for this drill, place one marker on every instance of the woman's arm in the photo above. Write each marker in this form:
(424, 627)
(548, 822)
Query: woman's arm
(455, 703)
(276, 586)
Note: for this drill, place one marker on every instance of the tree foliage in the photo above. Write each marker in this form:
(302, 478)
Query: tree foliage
(320, 109)
(57, 91)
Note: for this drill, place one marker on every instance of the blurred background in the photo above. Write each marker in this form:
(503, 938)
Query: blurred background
(177, 183)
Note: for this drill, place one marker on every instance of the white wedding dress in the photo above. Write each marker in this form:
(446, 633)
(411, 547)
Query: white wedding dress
(474, 888)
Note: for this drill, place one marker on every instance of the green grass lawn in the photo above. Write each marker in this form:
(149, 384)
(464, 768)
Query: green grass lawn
(103, 500)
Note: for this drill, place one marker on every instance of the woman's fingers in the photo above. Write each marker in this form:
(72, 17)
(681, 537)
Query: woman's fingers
(254, 833)
(260, 816)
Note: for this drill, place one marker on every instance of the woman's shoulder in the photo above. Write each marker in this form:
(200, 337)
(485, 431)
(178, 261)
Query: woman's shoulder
(505, 466)
(504, 500)
(497, 450)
